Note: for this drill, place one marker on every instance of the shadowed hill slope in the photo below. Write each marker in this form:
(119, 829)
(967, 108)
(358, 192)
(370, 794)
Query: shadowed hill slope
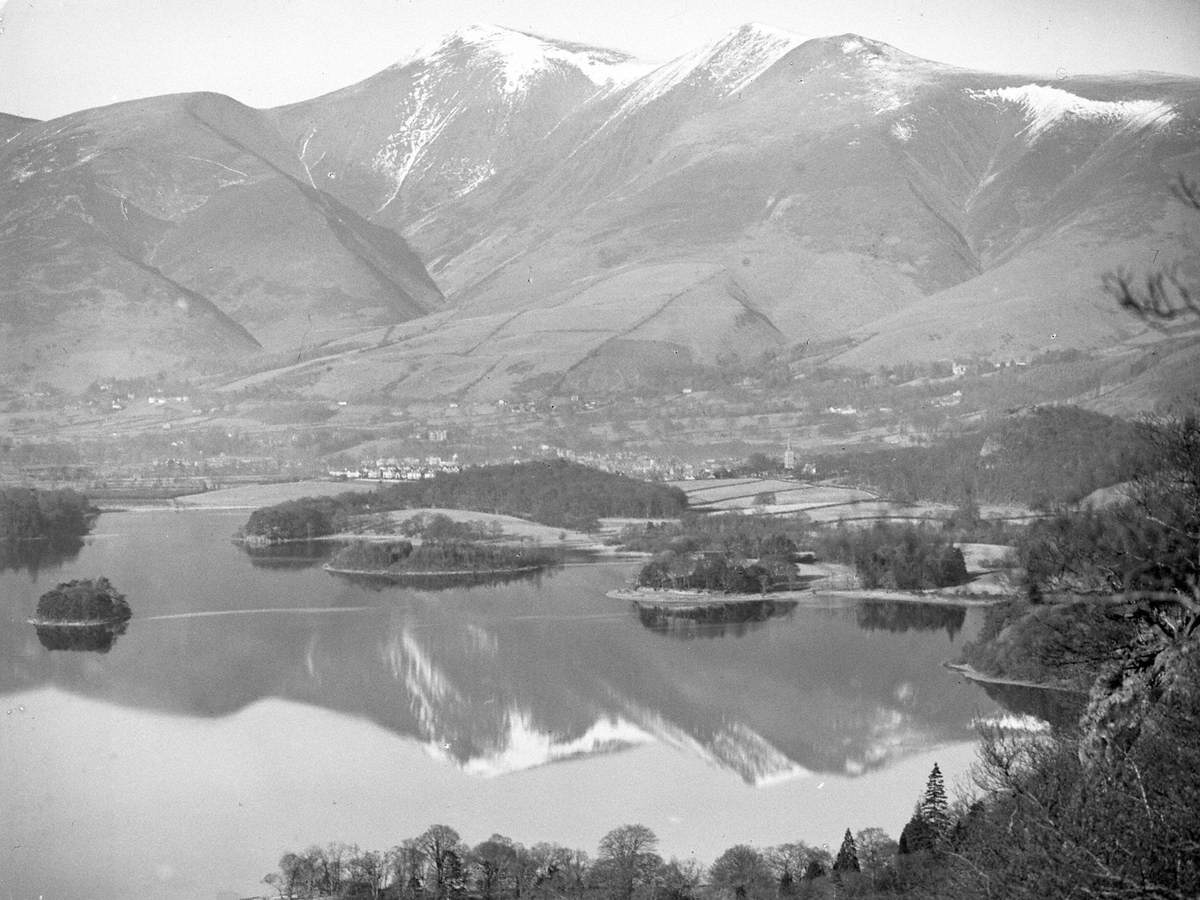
(176, 232)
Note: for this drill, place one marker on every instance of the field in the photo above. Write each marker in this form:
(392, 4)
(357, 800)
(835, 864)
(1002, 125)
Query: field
(252, 496)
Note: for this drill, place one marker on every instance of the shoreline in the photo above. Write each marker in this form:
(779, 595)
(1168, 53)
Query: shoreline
(385, 573)
(73, 623)
(971, 673)
(699, 598)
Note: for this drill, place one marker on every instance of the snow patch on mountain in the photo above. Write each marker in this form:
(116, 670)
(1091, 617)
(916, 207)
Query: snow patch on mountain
(727, 66)
(1045, 106)
(511, 64)
(871, 73)
(402, 150)
(890, 76)
(470, 175)
(520, 58)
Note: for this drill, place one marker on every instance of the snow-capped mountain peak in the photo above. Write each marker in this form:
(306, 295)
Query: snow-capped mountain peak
(727, 65)
(519, 58)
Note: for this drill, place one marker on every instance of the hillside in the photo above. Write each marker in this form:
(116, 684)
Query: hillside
(597, 226)
(180, 233)
(831, 190)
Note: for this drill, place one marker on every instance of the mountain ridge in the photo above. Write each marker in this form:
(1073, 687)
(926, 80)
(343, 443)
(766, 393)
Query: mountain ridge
(595, 233)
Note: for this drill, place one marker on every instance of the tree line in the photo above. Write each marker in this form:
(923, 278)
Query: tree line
(559, 493)
(902, 557)
(439, 865)
(1047, 457)
(35, 514)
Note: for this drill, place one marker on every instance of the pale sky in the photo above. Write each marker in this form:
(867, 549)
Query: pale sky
(58, 56)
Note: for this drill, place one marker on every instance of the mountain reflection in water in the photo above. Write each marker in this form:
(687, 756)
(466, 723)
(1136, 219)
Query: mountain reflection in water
(507, 677)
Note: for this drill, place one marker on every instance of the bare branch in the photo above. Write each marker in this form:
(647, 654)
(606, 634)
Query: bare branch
(1187, 191)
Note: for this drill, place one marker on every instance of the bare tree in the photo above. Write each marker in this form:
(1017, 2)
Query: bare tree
(741, 872)
(440, 844)
(628, 859)
(1166, 293)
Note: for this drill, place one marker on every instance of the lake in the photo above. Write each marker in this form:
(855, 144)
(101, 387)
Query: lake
(257, 704)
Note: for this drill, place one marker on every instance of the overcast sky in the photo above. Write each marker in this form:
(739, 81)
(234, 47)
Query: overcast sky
(57, 56)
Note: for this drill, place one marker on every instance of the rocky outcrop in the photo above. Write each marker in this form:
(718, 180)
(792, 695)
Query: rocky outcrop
(1144, 699)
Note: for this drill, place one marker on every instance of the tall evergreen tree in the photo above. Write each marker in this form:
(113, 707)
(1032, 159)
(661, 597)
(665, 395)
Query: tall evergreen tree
(847, 856)
(930, 822)
(934, 809)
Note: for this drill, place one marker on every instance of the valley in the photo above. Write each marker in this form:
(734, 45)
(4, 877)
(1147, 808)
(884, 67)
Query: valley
(535, 438)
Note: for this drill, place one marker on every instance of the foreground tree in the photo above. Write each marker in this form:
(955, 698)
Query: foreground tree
(847, 856)
(677, 880)
(930, 822)
(1165, 293)
(790, 862)
(627, 860)
(876, 852)
(368, 874)
(494, 862)
(440, 844)
(933, 804)
(741, 872)
(558, 871)
(406, 863)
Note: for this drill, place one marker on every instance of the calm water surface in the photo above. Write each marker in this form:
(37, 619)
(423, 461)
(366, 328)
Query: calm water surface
(258, 704)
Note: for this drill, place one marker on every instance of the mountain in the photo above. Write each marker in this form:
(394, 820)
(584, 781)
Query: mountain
(434, 128)
(11, 126)
(180, 233)
(763, 192)
(600, 226)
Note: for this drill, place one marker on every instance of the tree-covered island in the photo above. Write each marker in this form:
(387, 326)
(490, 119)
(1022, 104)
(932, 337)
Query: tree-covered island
(731, 553)
(455, 559)
(82, 602)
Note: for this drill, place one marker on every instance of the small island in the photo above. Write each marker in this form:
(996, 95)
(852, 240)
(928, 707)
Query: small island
(439, 562)
(82, 603)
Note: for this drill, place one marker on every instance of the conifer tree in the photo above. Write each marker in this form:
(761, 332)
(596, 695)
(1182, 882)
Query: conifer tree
(933, 808)
(930, 822)
(847, 856)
